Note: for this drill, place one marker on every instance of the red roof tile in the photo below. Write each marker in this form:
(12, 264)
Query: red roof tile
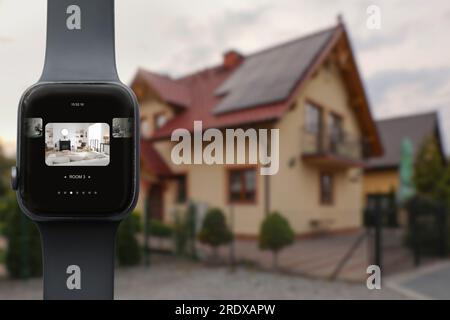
(152, 160)
(202, 87)
(168, 89)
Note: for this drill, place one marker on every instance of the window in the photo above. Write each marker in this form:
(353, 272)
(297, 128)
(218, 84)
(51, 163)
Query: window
(160, 120)
(181, 189)
(335, 126)
(326, 188)
(313, 119)
(242, 185)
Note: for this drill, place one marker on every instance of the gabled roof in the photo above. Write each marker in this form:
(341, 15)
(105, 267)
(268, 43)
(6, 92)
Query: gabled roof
(271, 75)
(166, 88)
(264, 86)
(394, 131)
(152, 161)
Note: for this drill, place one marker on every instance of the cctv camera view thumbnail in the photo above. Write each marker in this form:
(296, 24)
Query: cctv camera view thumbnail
(77, 144)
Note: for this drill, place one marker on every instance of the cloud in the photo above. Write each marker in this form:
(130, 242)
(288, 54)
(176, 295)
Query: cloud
(399, 91)
(405, 64)
(406, 92)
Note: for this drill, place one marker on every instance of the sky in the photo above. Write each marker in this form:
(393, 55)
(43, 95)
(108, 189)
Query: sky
(405, 64)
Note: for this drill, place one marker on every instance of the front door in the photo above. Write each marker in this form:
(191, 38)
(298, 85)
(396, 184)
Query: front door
(155, 202)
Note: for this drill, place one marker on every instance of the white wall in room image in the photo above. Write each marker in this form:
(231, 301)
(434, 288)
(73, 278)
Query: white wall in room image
(95, 131)
(89, 144)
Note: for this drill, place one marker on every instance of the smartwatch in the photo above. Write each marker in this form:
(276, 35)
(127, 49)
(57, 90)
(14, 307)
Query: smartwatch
(77, 151)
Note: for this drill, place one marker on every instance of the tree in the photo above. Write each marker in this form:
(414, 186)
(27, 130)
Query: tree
(5, 166)
(128, 249)
(432, 181)
(275, 234)
(23, 256)
(214, 231)
(5, 190)
(430, 172)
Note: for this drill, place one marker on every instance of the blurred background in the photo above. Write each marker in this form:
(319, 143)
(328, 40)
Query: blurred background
(360, 91)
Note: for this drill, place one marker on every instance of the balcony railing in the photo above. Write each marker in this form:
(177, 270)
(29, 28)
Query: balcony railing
(343, 145)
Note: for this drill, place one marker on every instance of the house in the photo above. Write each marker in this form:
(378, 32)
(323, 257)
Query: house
(381, 176)
(310, 89)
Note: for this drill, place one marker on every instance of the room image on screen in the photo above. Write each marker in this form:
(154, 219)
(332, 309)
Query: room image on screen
(122, 128)
(77, 144)
(33, 127)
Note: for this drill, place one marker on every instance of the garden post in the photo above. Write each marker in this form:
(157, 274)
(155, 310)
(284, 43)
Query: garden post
(146, 233)
(378, 233)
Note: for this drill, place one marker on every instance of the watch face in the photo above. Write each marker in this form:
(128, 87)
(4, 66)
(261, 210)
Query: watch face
(77, 150)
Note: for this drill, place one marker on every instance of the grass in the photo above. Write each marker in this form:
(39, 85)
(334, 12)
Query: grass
(2, 256)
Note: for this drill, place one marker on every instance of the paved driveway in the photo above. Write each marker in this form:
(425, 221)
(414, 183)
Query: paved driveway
(430, 282)
(185, 281)
(318, 257)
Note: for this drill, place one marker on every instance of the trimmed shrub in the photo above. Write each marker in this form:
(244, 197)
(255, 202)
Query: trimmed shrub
(215, 231)
(275, 234)
(128, 249)
(23, 256)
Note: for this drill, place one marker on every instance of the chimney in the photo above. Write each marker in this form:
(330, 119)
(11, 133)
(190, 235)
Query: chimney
(232, 59)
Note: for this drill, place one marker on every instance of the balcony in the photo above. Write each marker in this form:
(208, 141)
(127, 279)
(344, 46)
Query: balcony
(333, 151)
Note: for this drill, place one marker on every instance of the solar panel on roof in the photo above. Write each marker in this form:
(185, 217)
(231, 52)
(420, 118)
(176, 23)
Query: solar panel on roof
(270, 76)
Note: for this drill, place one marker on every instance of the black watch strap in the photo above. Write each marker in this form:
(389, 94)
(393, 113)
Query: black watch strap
(80, 41)
(79, 260)
(79, 255)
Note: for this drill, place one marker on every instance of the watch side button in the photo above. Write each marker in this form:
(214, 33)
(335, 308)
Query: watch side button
(14, 178)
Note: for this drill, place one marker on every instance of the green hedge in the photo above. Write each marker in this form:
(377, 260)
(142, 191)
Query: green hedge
(23, 256)
(128, 249)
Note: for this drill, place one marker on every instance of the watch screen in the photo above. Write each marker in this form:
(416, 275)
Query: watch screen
(77, 154)
(77, 144)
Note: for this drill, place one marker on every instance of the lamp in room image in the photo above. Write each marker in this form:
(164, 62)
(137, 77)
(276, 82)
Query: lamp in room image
(65, 133)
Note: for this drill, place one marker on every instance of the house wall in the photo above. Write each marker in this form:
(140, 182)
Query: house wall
(380, 181)
(140, 205)
(208, 186)
(149, 109)
(295, 189)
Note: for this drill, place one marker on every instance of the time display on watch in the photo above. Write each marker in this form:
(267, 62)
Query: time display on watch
(77, 150)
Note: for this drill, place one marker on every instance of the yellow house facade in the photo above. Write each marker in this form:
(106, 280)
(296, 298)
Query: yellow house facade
(325, 133)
